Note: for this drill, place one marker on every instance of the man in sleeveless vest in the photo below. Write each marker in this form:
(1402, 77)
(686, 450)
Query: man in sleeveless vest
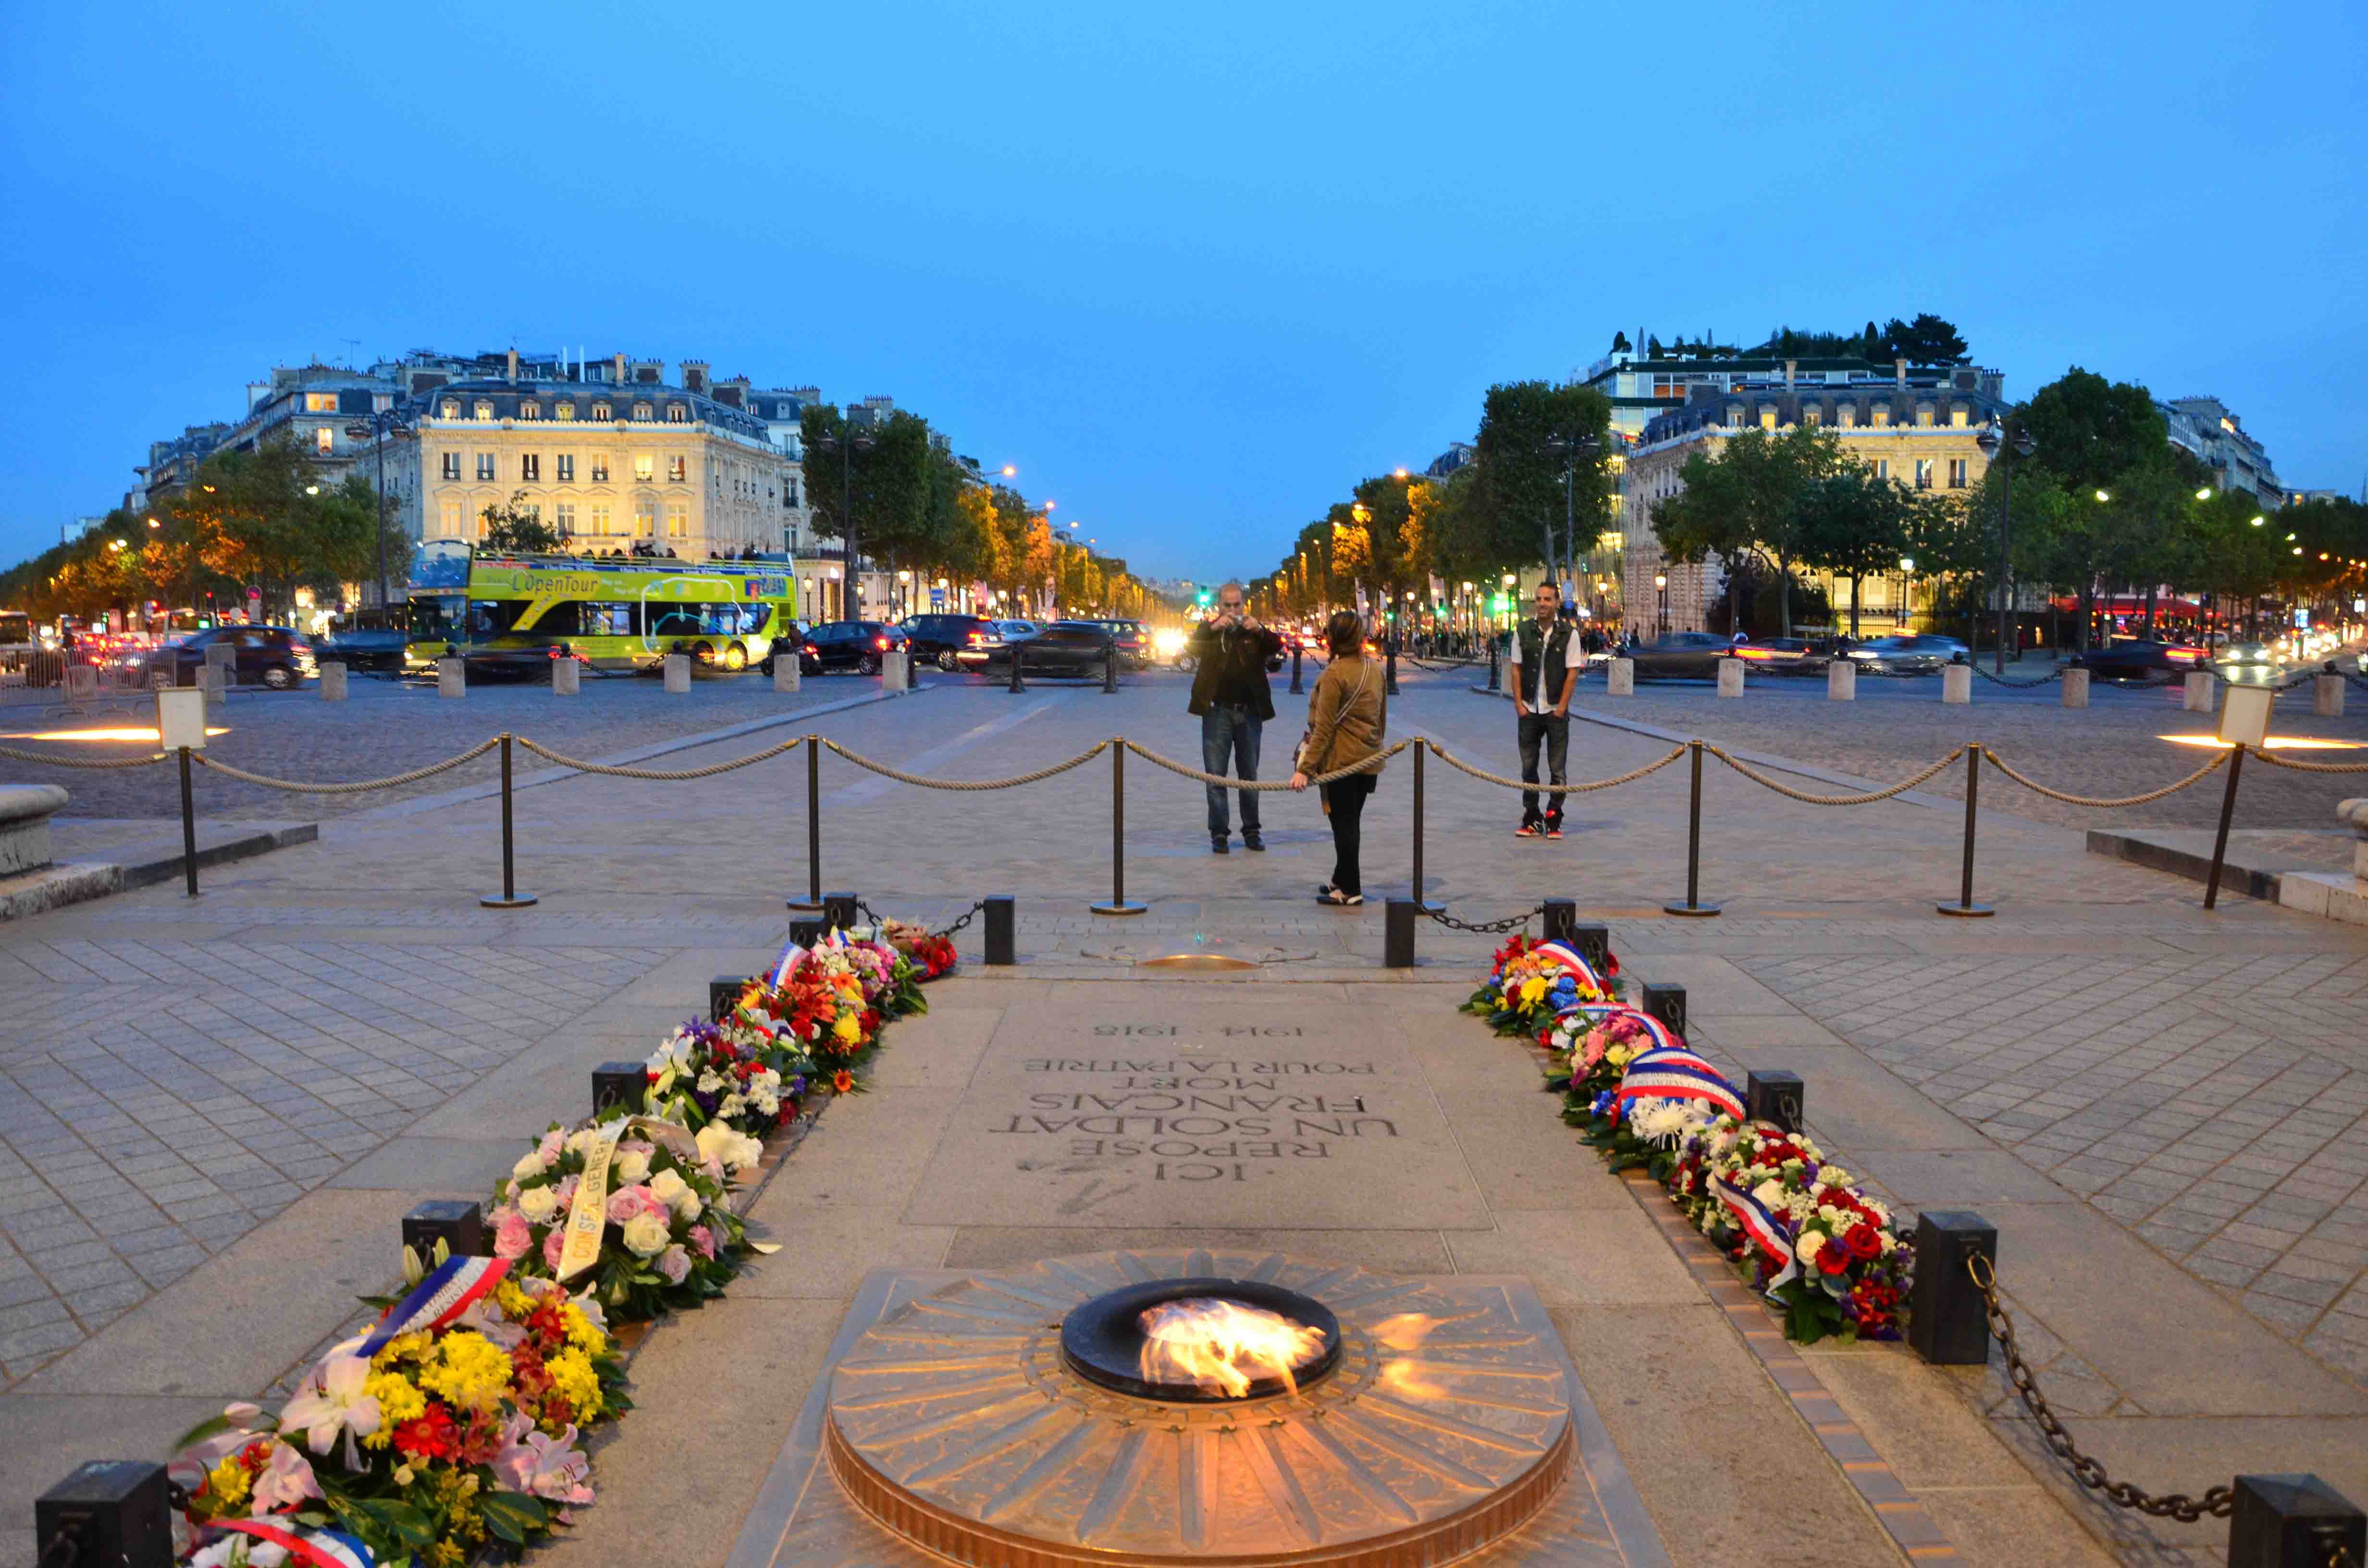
(1545, 664)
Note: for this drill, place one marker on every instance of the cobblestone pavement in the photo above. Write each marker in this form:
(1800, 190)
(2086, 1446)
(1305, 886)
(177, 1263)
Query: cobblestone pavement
(2113, 747)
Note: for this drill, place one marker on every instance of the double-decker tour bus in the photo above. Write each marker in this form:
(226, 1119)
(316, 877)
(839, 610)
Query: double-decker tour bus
(515, 613)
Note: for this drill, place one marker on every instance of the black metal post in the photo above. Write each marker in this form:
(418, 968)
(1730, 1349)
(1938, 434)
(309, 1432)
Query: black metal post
(1118, 904)
(723, 994)
(840, 912)
(619, 1088)
(1948, 1324)
(1562, 923)
(1966, 906)
(188, 828)
(115, 1512)
(1002, 945)
(1427, 905)
(813, 901)
(511, 898)
(1493, 677)
(2293, 1521)
(1693, 905)
(1774, 1095)
(1297, 651)
(806, 933)
(2219, 839)
(1016, 686)
(1397, 933)
(459, 1224)
(1390, 664)
(1667, 1002)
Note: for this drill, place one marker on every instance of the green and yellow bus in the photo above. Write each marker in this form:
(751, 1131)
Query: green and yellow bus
(517, 612)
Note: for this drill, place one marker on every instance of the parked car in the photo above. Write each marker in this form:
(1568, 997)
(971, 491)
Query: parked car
(1680, 656)
(938, 638)
(264, 655)
(368, 639)
(1782, 655)
(848, 646)
(1065, 647)
(2136, 658)
(1919, 654)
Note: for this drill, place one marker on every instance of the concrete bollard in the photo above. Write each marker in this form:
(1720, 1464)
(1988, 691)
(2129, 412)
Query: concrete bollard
(2203, 694)
(1957, 683)
(786, 671)
(222, 655)
(332, 682)
(677, 674)
(451, 678)
(894, 676)
(214, 681)
(1730, 677)
(2326, 696)
(566, 677)
(1622, 681)
(1841, 681)
(2076, 687)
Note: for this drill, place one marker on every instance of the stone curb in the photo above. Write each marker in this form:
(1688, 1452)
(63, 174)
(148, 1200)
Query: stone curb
(2141, 850)
(159, 861)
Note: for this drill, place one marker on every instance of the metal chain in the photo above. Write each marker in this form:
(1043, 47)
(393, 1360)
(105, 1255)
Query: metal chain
(901, 776)
(2001, 680)
(2218, 1501)
(967, 916)
(2000, 763)
(301, 787)
(1531, 784)
(1858, 799)
(662, 775)
(1370, 764)
(871, 916)
(1486, 927)
(21, 755)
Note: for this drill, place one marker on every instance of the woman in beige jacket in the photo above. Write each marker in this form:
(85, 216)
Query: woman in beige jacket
(1346, 716)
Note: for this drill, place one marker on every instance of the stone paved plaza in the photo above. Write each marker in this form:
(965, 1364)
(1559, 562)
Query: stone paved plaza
(2165, 1111)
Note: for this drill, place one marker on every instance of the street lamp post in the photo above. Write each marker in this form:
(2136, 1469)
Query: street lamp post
(1572, 450)
(852, 582)
(1661, 586)
(381, 423)
(1992, 442)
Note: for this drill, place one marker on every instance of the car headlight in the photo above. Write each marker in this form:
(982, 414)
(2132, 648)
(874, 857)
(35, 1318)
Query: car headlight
(1861, 653)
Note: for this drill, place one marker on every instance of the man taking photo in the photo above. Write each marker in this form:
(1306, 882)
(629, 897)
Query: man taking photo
(1546, 662)
(1229, 693)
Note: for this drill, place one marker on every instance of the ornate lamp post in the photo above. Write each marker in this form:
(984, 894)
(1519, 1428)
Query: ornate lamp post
(377, 427)
(1992, 443)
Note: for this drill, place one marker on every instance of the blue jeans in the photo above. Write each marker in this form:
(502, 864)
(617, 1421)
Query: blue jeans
(1226, 729)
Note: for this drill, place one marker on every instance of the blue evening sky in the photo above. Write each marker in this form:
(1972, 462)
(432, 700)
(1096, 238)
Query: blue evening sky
(1195, 270)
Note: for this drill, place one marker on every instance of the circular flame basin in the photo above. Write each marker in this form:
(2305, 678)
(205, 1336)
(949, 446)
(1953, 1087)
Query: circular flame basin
(1104, 1340)
(1434, 1423)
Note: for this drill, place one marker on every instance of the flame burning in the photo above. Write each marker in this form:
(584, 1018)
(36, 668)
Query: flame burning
(1217, 1344)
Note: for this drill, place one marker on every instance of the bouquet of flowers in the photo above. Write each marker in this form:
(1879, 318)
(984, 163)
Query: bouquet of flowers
(632, 1210)
(930, 956)
(1534, 982)
(746, 1071)
(1807, 1237)
(458, 1419)
(890, 985)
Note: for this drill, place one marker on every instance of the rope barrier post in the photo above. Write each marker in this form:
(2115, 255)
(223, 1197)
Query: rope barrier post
(1002, 945)
(1397, 933)
(2298, 1521)
(1423, 905)
(116, 1512)
(458, 1223)
(1297, 650)
(188, 827)
(1948, 1322)
(1118, 904)
(1693, 904)
(2219, 838)
(813, 901)
(510, 897)
(1965, 906)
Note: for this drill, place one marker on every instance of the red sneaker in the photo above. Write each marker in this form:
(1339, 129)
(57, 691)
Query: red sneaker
(1528, 830)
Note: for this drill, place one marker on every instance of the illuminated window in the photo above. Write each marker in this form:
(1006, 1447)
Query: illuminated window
(678, 414)
(567, 468)
(1849, 416)
(641, 411)
(676, 469)
(563, 411)
(484, 409)
(530, 465)
(599, 468)
(1883, 467)
(485, 468)
(320, 403)
(1956, 473)
(448, 525)
(451, 408)
(1957, 417)
(451, 465)
(1882, 416)
(1923, 416)
(644, 515)
(1768, 419)
(530, 410)
(600, 412)
(600, 520)
(645, 467)
(566, 511)
(324, 440)
(678, 520)
(1812, 416)
(1923, 473)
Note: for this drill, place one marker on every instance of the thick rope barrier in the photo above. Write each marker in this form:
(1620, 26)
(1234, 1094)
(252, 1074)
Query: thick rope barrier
(2032, 784)
(1865, 798)
(21, 755)
(1531, 784)
(1014, 782)
(660, 775)
(1370, 764)
(2298, 766)
(301, 787)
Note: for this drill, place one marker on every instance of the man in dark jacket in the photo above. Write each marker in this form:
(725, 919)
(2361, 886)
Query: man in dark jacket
(1229, 693)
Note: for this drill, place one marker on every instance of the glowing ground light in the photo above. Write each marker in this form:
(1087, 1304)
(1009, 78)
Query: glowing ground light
(148, 734)
(2275, 743)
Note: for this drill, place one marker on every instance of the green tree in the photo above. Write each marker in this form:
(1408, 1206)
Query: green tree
(1537, 438)
(516, 528)
(1854, 525)
(1751, 497)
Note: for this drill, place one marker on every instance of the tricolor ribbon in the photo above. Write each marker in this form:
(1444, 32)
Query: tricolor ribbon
(789, 961)
(1659, 1033)
(587, 1216)
(1673, 1073)
(1565, 957)
(1773, 1236)
(321, 1548)
(450, 1289)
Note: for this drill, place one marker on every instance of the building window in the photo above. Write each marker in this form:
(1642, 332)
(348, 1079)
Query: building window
(600, 519)
(566, 514)
(1883, 467)
(600, 412)
(451, 465)
(567, 468)
(790, 496)
(644, 467)
(529, 411)
(1768, 419)
(641, 411)
(599, 468)
(1849, 416)
(1923, 473)
(1956, 473)
(484, 526)
(320, 403)
(452, 409)
(678, 414)
(1957, 417)
(1812, 416)
(678, 520)
(324, 440)
(485, 468)
(484, 409)
(644, 512)
(1882, 416)
(678, 470)
(1923, 416)
(530, 465)
(563, 411)
(449, 522)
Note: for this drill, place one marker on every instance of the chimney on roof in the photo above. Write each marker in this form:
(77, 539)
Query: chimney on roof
(513, 370)
(694, 376)
(1789, 366)
(1899, 371)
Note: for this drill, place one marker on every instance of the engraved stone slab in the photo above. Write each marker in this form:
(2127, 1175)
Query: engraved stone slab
(1203, 1108)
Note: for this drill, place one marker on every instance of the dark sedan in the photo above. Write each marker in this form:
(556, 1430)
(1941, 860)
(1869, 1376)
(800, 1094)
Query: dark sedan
(1064, 648)
(857, 645)
(937, 639)
(2137, 659)
(1680, 656)
(262, 655)
(1782, 656)
(1918, 654)
(1134, 643)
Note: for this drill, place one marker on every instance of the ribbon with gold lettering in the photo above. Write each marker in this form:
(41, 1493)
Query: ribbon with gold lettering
(587, 1216)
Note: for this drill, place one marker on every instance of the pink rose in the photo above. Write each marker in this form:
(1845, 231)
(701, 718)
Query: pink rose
(704, 1239)
(549, 1150)
(513, 1237)
(550, 1245)
(675, 1264)
(627, 1202)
